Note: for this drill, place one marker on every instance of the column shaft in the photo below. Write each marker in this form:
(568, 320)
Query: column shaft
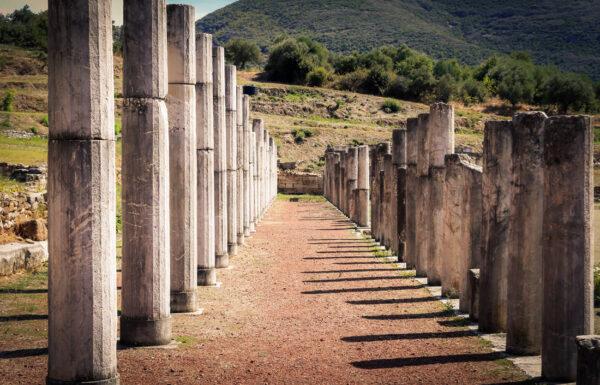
(231, 124)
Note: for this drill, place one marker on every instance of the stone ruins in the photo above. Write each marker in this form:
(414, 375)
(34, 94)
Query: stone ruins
(479, 233)
(196, 177)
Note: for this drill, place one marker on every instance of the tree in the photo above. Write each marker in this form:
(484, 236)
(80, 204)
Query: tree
(570, 92)
(290, 60)
(378, 81)
(242, 53)
(514, 81)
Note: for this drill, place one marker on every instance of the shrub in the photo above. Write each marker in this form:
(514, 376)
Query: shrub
(44, 121)
(317, 77)
(8, 101)
(34, 130)
(473, 92)
(291, 60)
(446, 89)
(353, 81)
(570, 92)
(300, 134)
(378, 81)
(391, 106)
(242, 53)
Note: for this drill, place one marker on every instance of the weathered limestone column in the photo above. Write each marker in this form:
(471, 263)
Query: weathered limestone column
(258, 131)
(82, 280)
(342, 179)
(375, 190)
(145, 317)
(473, 280)
(272, 170)
(411, 191)
(205, 144)
(220, 134)
(588, 360)
(496, 208)
(241, 142)
(181, 104)
(264, 177)
(247, 165)
(462, 227)
(362, 193)
(352, 179)
(524, 311)
(232, 144)
(253, 179)
(335, 177)
(423, 214)
(399, 157)
(441, 141)
(388, 216)
(568, 284)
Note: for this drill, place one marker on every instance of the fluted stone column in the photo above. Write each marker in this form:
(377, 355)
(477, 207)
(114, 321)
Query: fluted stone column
(205, 144)
(145, 317)
(362, 194)
(272, 170)
(496, 208)
(241, 142)
(568, 286)
(399, 157)
(335, 175)
(181, 104)
(411, 191)
(423, 215)
(220, 122)
(253, 179)
(342, 180)
(82, 283)
(441, 141)
(524, 311)
(231, 155)
(352, 180)
(248, 164)
(265, 162)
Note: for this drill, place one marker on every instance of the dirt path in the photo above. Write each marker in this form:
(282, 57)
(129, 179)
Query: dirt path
(307, 302)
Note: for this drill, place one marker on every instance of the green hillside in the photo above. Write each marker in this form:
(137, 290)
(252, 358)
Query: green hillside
(564, 33)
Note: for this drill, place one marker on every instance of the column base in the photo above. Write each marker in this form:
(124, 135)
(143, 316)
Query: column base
(184, 302)
(109, 381)
(222, 261)
(232, 249)
(240, 239)
(143, 332)
(207, 277)
(246, 232)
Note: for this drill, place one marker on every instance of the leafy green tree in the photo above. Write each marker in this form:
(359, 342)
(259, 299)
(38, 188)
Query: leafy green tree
(291, 60)
(378, 81)
(514, 81)
(318, 77)
(450, 67)
(570, 92)
(446, 89)
(25, 28)
(416, 73)
(473, 91)
(8, 101)
(242, 53)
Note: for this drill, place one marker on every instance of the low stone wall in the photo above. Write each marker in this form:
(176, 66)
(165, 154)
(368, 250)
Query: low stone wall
(20, 207)
(292, 183)
(22, 256)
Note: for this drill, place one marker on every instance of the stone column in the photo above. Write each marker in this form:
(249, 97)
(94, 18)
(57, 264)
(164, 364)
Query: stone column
(461, 234)
(181, 104)
(411, 191)
(524, 311)
(335, 178)
(399, 210)
(205, 144)
(362, 194)
(145, 317)
(423, 215)
(247, 165)
(496, 208)
(374, 189)
(473, 284)
(253, 179)
(388, 216)
(241, 142)
(352, 179)
(231, 155)
(272, 170)
(265, 163)
(568, 285)
(257, 129)
(588, 360)
(441, 141)
(342, 180)
(82, 280)
(220, 122)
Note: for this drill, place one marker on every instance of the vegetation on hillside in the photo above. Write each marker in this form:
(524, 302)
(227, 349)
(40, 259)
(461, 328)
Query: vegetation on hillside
(566, 34)
(404, 73)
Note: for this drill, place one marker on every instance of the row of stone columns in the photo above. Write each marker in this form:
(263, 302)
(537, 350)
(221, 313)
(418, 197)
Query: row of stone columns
(480, 232)
(191, 189)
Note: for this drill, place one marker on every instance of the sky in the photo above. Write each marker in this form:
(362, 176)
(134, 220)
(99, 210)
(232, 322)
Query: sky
(203, 7)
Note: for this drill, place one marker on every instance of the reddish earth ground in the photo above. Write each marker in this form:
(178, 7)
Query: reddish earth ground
(306, 302)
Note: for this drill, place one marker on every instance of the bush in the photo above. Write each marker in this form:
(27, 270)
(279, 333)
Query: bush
(473, 92)
(353, 81)
(570, 92)
(44, 121)
(446, 89)
(318, 77)
(378, 81)
(242, 53)
(514, 81)
(391, 106)
(8, 101)
(291, 60)
(300, 134)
